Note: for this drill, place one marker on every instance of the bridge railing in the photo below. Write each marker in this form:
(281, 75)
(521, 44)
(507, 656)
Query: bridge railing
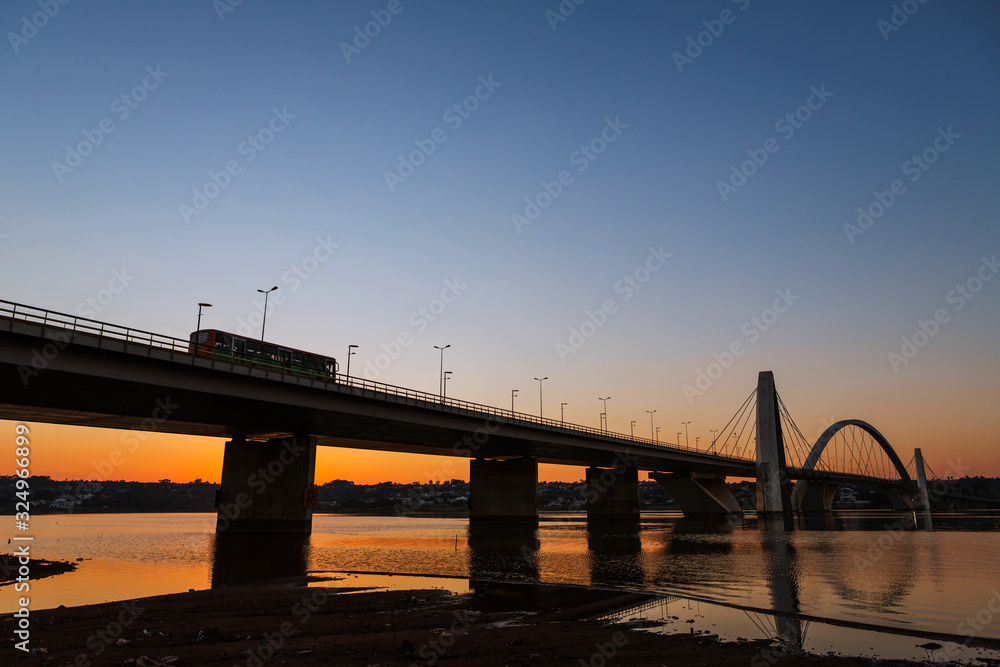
(342, 383)
(87, 326)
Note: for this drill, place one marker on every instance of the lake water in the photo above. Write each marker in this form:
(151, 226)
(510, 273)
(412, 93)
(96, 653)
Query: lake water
(874, 570)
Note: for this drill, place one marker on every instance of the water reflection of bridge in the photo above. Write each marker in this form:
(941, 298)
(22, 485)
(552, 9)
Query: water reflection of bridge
(690, 559)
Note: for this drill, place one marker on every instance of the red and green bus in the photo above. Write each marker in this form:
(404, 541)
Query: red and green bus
(237, 349)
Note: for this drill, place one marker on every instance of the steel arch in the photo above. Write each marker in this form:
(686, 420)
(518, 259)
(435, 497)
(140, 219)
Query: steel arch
(824, 440)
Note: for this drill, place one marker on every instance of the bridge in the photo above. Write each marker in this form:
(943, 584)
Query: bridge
(64, 369)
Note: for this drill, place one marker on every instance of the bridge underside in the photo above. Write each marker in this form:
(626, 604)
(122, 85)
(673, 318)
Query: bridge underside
(699, 495)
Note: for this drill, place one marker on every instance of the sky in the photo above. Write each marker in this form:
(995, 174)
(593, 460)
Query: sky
(650, 201)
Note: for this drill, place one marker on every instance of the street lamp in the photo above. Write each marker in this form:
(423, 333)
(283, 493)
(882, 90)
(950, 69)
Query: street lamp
(678, 439)
(697, 442)
(350, 353)
(441, 376)
(444, 392)
(652, 433)
(714, 432)
(540, 395)
(513, 393)
(657, 435)
(263, 321)
(562, 412)
(605, 411)
(200, 306)
(687, 443)
(632, 428)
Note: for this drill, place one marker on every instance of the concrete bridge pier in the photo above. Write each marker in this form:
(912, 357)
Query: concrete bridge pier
(773, 487)
(267, 487)
(813, 497)
(503, 492)
(612, 496)
(699, 494)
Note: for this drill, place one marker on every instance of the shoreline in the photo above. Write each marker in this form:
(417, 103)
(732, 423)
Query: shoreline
(302, 620)
(40, 568)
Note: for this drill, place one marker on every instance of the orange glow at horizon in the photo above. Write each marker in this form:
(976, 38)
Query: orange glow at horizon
(71, 452)
(98, 454)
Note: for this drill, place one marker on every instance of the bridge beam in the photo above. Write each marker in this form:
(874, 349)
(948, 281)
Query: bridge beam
(267, 487)
(773, 488)
(699, 494)
(612, 495)
(503, 492)
(811, 496)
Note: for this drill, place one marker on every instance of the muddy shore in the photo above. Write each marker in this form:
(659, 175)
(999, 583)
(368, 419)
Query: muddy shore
(39, 568)
(287, 623)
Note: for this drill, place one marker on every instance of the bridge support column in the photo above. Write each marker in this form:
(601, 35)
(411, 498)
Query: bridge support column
(699, 494)
(773, 488)
(503, 492)
(813, 497)
(267, 487)
(612, 495)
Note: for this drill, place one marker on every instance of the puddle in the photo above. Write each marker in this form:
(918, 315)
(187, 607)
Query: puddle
(380, 581)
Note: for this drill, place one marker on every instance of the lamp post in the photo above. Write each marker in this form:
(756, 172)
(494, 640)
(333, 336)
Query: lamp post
(444, 391)
(350, 353)
(687, 442)
(605, 400)
(540, 395)
(697, 442)
(562, 412)
(714, 432)
(678, 439)
(513, 393)
(657, 435)
(200, 306)
(441, 374)
(632, 428)
(652, 433)
(263, 321)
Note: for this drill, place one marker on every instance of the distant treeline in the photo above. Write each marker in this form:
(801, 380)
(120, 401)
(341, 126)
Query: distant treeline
(52, 496)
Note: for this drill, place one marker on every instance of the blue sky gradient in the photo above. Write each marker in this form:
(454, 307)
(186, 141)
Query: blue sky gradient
(347, 121)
